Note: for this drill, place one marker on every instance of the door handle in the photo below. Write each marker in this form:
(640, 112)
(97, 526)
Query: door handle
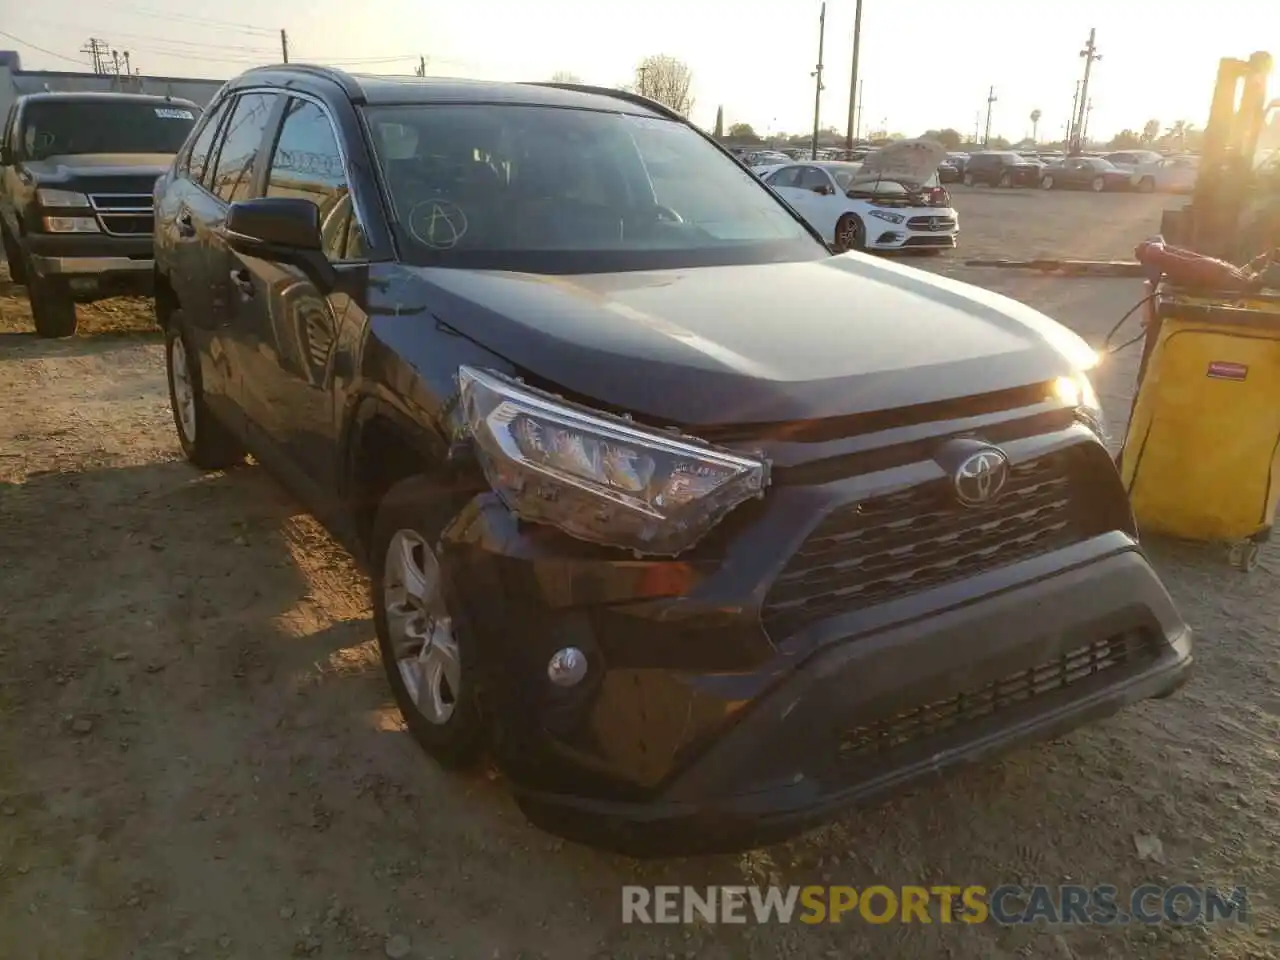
(186, 227)
(243, 282)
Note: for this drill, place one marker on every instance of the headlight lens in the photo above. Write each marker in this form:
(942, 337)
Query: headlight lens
(886, 216)
(597, 477)
(61, 198)
(70, 225)
(1077, 391)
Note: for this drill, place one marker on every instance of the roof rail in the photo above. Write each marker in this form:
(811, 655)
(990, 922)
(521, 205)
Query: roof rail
(617, 94)
(343, 79)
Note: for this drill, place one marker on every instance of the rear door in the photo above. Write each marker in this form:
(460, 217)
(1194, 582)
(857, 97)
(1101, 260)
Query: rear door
(822, 203)
(287, 327)
(229, 176)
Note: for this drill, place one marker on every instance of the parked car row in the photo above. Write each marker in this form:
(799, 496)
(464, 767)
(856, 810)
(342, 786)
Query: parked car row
(1142, 170)
(683, 519)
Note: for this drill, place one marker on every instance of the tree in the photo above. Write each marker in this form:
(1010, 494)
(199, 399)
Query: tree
(667, 80)
(719, 121)
(1150, 132)
(1126, 140)
(565, 76)
(948, 137)
(742, 131)
(1035, 124)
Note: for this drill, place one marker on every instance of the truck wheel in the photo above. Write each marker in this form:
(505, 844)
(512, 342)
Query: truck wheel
(205, 441)
(429, 658)
(13, 254)
(52, 309)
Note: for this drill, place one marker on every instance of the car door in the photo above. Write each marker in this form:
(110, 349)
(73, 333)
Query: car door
(286, 326)
(789, 182)
(823, 203)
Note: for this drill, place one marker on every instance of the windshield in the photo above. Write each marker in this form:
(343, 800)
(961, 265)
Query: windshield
(65, 127)
(551, 190)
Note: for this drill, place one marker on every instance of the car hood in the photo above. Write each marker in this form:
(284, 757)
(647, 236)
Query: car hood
(906, 161)
(757, 344)
(99, 165)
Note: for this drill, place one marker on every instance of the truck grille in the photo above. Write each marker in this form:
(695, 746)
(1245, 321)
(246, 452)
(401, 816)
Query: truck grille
(895, 545)
(882, 737)
(936, 224)
(125, 214)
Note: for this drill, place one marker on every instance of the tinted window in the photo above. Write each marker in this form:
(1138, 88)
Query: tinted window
(198, 158)
(240, 139)
(572, 191)
(307, 163)
(786, 177)
(812, 178)
(69, 127)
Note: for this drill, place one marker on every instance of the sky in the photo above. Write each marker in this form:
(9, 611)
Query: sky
(925, 64)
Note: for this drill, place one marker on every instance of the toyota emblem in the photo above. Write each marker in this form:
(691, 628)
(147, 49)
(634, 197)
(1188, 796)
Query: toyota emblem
(980, 477)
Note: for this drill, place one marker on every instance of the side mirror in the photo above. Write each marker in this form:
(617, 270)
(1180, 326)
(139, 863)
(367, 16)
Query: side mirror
(822, 190)
(282, 229)
(274, 227)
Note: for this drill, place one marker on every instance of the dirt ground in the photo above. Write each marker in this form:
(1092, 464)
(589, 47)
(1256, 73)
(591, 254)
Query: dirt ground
(199, 758)
(1026, 223)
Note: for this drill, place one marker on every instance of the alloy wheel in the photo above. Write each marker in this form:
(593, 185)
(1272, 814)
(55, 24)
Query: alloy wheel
(420, 627)
(184, 391)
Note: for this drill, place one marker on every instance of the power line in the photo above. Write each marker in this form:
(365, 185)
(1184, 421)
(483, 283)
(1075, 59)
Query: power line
(203, 21)
(26, 43)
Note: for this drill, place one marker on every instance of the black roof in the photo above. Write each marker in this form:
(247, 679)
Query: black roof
(105, 95)
(384, 90)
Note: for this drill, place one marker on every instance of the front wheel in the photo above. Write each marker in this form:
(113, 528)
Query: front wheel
(52, 310)
(850, 234)
(1006, 179)
(1099, 184)
(1046, 183)
(204, 440)
(968, 179)
(427, 654)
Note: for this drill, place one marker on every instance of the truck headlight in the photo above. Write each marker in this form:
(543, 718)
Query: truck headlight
(70, 225)
(597, 477)
(887, 216)
(61, 198)
(1077, 392)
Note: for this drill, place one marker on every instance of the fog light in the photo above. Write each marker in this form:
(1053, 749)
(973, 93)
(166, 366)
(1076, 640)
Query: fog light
(567, 667)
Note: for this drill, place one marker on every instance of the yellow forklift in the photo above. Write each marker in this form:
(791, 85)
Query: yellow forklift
(1201, 457)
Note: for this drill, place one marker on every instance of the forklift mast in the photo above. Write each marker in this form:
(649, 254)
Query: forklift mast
(1211, 222)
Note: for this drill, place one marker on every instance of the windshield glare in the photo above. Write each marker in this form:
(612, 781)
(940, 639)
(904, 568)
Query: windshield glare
(562, 190)
(71, 127)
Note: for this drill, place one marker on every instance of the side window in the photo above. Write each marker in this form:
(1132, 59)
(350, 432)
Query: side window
(241, 136)
(198, 156)
(811, 178)
(786, 177)
(307, 163)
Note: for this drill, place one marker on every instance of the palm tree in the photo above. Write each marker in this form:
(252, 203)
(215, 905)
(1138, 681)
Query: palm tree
(1035, 125)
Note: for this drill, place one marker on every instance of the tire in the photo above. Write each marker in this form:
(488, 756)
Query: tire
(1006, 179)
(851, 234)
(1147, 185)
(13, 255)
(968, 180)
(205, 441)
(1046, 183)
(1098, 184)
(52, 309)
(414, 512)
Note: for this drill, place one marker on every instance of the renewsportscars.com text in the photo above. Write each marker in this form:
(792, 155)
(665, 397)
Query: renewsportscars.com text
(1007, 904)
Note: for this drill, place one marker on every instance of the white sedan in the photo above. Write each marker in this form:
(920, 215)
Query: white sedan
(856, 210)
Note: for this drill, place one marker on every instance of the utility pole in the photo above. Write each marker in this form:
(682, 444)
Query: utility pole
(1084, 129)
(817, 83)
(97, 50)
(977, 128)
(422, 66)
(857, 132)
(127, 69)
(853, 74)
(115, 61)
(642, 70)
(1090, 54)
(1071, 121)
(991, 98)
(284, 46)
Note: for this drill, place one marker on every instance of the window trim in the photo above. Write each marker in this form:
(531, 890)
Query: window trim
(218, 119)
(357, 211)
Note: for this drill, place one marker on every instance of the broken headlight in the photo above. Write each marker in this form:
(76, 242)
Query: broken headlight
(597, 477)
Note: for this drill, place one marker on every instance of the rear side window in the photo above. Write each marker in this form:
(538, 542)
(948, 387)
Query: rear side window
(198, 157)
(241, 136)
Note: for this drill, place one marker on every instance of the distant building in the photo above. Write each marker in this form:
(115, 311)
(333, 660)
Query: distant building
(15, 82)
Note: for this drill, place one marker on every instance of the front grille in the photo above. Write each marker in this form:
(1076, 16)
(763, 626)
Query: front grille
(125, 214)
(932, 223)
(882, 738)
(895, 545)
(943, 240)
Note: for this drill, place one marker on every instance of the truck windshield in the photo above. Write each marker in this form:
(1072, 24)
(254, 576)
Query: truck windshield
(551, 190)
(67, 127)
